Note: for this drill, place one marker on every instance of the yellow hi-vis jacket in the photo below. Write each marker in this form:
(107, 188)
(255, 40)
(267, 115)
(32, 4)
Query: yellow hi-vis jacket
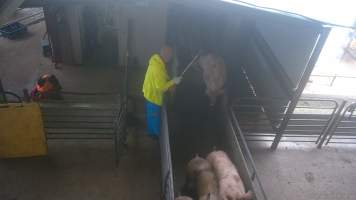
(156, 80)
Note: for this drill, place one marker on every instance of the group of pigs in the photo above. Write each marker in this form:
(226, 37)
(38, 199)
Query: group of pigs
(214, 178)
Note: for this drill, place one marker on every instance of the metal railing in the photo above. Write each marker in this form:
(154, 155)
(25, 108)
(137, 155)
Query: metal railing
(261, 118)
(166, 160)
(343, 129)
(258, 189)
(332, 78)
(309, 122)
(86, 116)
(256, 121)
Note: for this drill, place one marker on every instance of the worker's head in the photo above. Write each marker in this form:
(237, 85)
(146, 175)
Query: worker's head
(166, 53)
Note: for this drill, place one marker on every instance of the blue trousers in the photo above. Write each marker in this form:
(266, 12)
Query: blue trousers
(153, 119)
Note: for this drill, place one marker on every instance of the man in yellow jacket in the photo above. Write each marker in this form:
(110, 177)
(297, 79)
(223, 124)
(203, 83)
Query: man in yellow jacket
(156, 83)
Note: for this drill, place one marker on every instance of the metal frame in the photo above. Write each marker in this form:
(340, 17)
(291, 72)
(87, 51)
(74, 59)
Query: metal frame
(347, 131)
(18, 98)
(333, 77)
(309, 124)
(167, 178)
(85, 116)
(332, 123)
(248, 156)
(166, 160)
(305, 77)
(2, 94)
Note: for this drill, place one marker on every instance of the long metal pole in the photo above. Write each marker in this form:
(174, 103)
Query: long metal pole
(305, 77)
(190, 64)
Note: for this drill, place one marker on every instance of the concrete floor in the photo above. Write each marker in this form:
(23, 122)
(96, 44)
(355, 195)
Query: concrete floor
(73, 170)
(87, 170)
(22, 63)
(301, 171)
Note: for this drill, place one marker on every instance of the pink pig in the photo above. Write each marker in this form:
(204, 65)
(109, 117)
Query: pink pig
(231, 186)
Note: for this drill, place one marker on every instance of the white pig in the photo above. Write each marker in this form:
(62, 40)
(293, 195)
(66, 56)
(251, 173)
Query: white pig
(214, 74)
(197, 165)
(207, 187)
(194, 167)
(231, 186)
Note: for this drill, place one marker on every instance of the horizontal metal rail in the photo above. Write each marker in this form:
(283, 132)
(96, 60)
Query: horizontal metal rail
(333, 77)
(307, 123)
(86, 116)
(341, 130)
(5, 94)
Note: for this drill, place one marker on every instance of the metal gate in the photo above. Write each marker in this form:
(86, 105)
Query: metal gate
(260, 119)
(343, 128)
(86, 116)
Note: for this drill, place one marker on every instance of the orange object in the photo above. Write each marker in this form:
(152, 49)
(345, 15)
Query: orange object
(46, 87)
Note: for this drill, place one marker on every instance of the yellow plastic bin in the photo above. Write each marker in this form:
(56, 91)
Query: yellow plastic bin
(21, 130)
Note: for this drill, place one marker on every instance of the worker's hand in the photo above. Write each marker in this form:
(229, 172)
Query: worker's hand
(172, 89)
(177, 80)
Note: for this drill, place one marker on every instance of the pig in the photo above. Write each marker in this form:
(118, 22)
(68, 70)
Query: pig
(231, 186)
(207, 187)
(183, 198)
(214, 75)
(194, 167)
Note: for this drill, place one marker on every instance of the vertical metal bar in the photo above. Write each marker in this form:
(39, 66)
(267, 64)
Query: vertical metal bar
(2, 94)
(249, 155)
(328, 122)
(116, 147)
(166, 161)
(335, 123)
(332, 81)
(126, 62)
(115, 137)
(118, 125)
(332, 124)
(323, 35)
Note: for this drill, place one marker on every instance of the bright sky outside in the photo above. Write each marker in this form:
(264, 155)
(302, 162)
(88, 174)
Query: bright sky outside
(333, 61)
